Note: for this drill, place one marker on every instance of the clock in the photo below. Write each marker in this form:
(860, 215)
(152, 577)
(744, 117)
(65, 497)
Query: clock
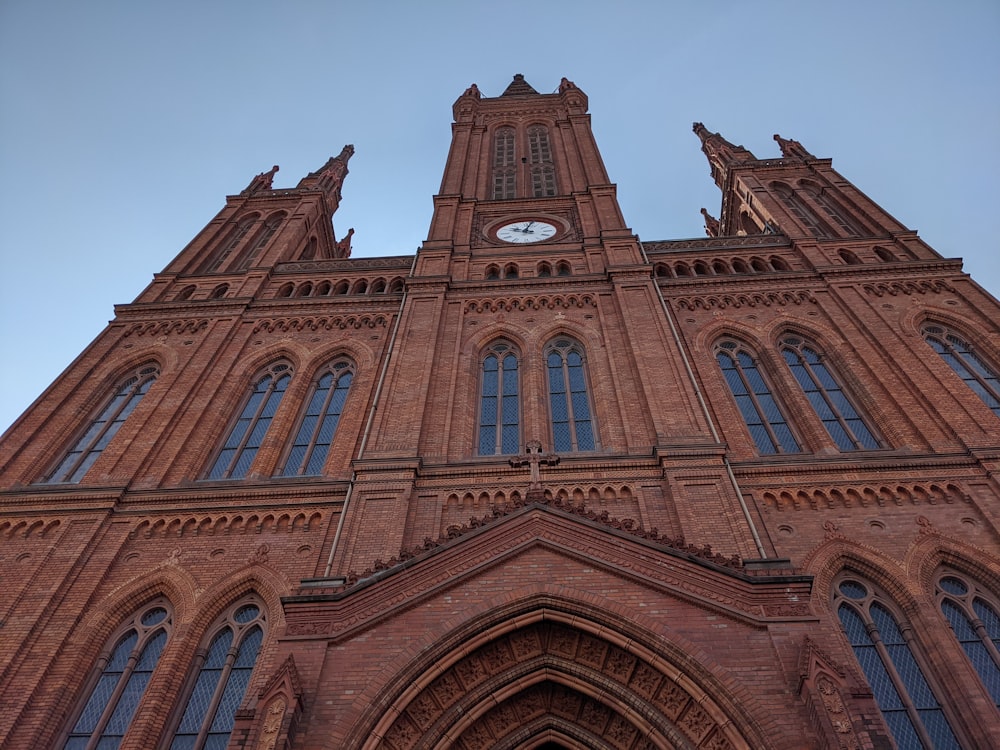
(526, 231)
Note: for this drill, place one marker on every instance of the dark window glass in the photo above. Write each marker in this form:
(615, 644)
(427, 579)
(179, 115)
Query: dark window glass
(232, 241)
(974, 620)
(319, 423)
(543, 173)
(247, 434)
(504, 166)
(838, 415)
(799, 210)
(109, 709)
(908, 704)
(259, 242)
(92, 443)
(222, 680)
(569, 404)
(967, 364)
(764, 420)
(499, 423)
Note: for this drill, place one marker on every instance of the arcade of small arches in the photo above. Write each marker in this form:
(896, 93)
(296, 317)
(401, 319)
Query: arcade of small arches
(545, 269)
(720, 267)
(328, 288)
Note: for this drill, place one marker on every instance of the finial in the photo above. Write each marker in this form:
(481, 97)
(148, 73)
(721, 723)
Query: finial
(343, 248)
(261, 181)
(792, 149)
(712, 227)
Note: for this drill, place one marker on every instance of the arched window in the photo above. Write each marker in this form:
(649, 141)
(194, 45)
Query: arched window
(544, 270)
(759, 409)
(499, 421)
(259, 242)
(569, 404)
(797, 208)
(510, 271)
(563, 269)
(973, 616)
(908, 704)
(103, 428)
(838, 415)
(219, 292)
(492, 273)
(832, 209)
(123, 671)
(186, 292)
(504, 168)
(224, 670)
(849, 258)
(232, 241)
(247, 434)
(543, 173)
(966, 363)
(884, 254)
(309, 252)
(319, 423)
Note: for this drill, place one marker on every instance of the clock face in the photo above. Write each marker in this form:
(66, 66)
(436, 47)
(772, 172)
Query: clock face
(525, 231)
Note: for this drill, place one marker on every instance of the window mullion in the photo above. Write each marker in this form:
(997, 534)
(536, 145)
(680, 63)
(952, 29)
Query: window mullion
(220, 689)
(109, 708)
(320, 419)
(764, 419)
(250, 427)
(570, 417)
(900, 686)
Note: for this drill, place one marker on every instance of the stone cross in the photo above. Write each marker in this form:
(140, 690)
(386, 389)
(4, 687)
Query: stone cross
(534, 458)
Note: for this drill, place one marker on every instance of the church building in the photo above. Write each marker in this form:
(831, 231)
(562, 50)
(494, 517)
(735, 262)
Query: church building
(544, 484)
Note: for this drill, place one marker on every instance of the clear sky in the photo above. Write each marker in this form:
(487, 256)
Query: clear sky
(123, 124)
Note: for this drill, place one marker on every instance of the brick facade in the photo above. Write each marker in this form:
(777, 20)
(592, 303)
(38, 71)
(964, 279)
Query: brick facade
(673, 585)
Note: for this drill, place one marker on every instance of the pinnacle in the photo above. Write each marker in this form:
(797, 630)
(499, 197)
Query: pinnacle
(518, 87)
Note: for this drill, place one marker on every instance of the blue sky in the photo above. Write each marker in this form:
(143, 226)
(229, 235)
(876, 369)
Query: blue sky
(124, 125)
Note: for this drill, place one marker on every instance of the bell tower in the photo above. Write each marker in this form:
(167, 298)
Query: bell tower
(523, 169)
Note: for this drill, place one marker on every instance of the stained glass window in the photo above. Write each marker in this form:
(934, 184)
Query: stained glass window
(758, 407)
(247, 434)
(909, 706)
(223, 677)
(125, 671)
(835, 410)
(103, 428)
(972, 614)
(319, 423)
(499, 422)
(967, 364)
(569, 404)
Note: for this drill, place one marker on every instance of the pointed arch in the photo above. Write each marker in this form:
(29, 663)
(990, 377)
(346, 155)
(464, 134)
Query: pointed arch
(543, 173)
(499, 424)
(762, 414)
(504, 165)
(560, 668)
(248, 431)
(232, 241)
(259, 242)
(318, 424)
(102, 428)
(570, 408)
(965, 361)
(830, 402)
(119, 679)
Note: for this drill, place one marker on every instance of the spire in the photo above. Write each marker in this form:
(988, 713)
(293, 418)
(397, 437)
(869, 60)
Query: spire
(720, 152)
(518, 87)
(330, 177)
(792, 149)
(261, 182)
(711, 223)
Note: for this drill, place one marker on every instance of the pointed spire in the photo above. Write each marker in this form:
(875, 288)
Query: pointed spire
(261, 181)
(519, 87)
(330, 177)
(343, 247)
(720, 152)
(711, 223)
(792, 149)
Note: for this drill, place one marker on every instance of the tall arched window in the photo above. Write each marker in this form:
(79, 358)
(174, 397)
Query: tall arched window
(247, 434)
(759, 409)
(499, 408)
(259, 242)
(319, 423)
(569, 404)
(973, 616)
(224, 670)
(841, 420)
(125, 669)
(504, 167)
(909, 706)
(543, 172)
(232, 241)
(832, 209)
(966, 363)
(92, 443)
(799, 210)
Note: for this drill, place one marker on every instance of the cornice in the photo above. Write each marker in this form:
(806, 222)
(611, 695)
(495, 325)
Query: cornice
(402, 262)
(860, 466)
(716, 243)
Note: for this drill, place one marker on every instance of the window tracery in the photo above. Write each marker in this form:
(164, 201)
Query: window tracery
(124, 670)
(569, 402)
(232, 242)
(967, 364)
(104, 427)
(319, 422)
(499, 409)
(246, 436)
(842, 421)
(224, 669)
(761, 414)
(972, 613)
(909, 705)
(504, 167)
